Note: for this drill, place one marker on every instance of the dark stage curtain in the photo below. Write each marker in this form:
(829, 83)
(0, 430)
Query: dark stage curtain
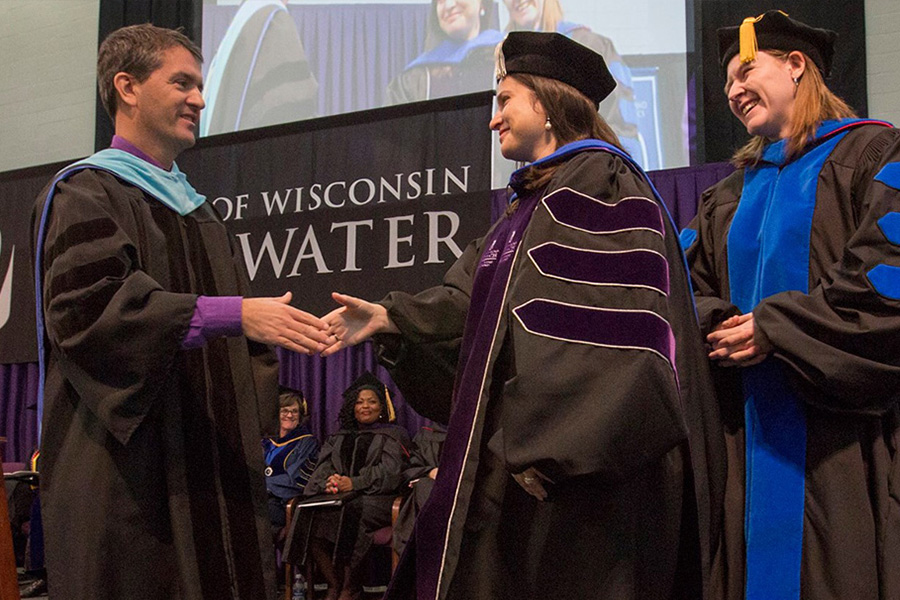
(681, 188)
(18, 418)
(323, 380)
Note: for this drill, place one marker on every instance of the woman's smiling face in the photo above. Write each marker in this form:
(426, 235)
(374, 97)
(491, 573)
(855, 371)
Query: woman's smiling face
(520, 122)
(460, 20)
(761, 94)
(525, 14)
(367, 409)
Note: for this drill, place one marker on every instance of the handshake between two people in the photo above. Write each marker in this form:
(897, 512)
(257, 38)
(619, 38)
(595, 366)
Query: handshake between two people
(274, 321)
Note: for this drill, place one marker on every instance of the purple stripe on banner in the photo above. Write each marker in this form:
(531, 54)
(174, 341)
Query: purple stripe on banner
(629, 268)
(584, 213)
(611, 328)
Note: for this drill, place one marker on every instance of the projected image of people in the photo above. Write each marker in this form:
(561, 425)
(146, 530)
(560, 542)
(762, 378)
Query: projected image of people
(458, 57)
(259, 75)
(618, 110)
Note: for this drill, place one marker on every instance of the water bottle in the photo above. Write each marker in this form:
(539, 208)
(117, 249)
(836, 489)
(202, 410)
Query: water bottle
(298, 590)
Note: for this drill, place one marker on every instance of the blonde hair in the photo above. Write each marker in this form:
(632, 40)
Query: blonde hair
(572, 116)
(813, 103)
(551, 15)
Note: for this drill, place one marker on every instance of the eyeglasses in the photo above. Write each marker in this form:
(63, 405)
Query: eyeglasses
(290, 411)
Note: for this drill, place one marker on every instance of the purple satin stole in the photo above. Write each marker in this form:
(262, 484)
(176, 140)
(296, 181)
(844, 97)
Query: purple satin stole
(478, 348)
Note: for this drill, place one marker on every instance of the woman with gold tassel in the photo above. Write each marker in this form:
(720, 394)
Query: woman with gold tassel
(795, 260)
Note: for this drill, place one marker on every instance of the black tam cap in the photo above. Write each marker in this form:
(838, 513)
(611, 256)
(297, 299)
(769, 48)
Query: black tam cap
(775, 30)
(555, 56)
(368, 381)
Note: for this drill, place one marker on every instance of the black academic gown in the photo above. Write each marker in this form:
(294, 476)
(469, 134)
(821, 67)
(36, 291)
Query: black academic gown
(425, 456)
(152, 478)
(473, 72)
(374, 458)
(839, 343)
(620, 417)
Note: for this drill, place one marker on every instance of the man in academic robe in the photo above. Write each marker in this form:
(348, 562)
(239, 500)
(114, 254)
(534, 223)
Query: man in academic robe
(157, 381)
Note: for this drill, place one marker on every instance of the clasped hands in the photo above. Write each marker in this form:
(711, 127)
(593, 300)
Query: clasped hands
(735, 342)
(275, 321)
(338, 483)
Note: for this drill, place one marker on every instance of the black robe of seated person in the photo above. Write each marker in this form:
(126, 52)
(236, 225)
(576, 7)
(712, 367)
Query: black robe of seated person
(425, 457)
(374, 457)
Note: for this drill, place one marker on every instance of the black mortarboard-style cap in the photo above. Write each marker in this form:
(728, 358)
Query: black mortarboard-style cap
(775, 30)
(368, 381)
(287, 389)
(294, 392)
(555, 56)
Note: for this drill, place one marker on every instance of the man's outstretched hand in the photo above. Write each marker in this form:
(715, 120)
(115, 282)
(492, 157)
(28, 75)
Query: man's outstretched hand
(275, 321)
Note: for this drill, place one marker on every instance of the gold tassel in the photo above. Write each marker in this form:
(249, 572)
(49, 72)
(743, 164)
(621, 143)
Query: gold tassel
(747, 36)
(499, 62)
(392, 416)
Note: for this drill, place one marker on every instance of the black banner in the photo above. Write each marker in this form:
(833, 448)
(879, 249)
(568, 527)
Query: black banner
(363, 203)
(18, 189)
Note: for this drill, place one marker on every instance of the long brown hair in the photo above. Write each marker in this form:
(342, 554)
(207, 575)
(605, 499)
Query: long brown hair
(434, 35)
(572, 116)
(813, 104)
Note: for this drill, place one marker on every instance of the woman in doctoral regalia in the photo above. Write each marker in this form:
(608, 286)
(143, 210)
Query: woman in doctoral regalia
(459, 53)
(795, 260)
(575, 462)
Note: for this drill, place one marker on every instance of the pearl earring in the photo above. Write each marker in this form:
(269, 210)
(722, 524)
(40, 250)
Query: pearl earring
(796, 81)
(482, 13)
(547, 125)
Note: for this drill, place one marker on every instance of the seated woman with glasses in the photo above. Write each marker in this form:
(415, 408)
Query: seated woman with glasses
(291, 457)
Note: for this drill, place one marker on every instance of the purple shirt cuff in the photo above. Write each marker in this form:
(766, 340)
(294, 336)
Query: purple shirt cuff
(214, 316)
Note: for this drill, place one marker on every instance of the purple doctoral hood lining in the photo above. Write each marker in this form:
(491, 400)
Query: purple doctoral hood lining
(452, 489)
(607, 327)
(627, 268)
(584, 213)
(453, 486)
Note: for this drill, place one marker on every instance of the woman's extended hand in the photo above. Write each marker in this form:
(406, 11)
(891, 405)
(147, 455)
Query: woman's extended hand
(735, 343)
(355, 321)
(532, 481)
